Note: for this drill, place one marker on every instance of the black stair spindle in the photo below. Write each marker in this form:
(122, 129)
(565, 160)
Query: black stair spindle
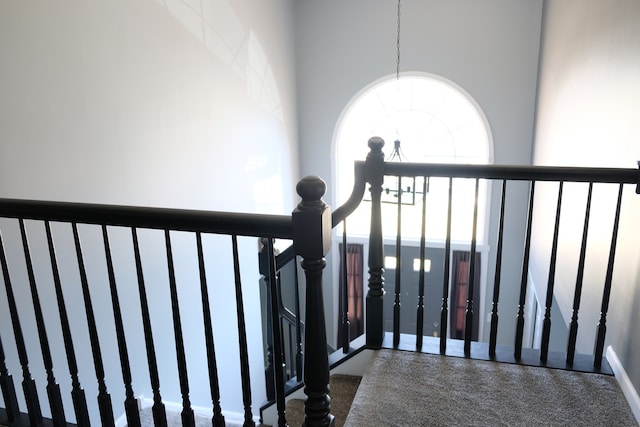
(28, 384)
(104, 399)
(158, 409)
(524, 279)
(397, 290)
(53, 389)
(421, 278)
(214, 386)
(77, 393)
(493, 335)
(546, 322)
(573, 325)
(346, 325)
(187, 415)
(468, 324)
(8, 390)
(130, 404)
(602, 324)
(276, 333)
(299, 352)
(242, 339)
(444, 309)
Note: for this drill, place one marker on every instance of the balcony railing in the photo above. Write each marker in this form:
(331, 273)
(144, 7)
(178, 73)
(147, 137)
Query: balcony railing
(68, 297)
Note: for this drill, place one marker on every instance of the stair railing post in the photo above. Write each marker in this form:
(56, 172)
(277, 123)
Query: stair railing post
(312, 240)
(374, 173)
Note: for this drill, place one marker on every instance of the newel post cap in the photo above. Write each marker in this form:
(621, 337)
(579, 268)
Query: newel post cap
(311, 219)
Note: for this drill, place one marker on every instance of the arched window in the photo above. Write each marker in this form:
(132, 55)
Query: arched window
(436, 122)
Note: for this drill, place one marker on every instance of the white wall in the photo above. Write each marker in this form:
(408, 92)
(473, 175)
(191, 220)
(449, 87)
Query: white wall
(488, 48)
(587, 115)
(171, 103)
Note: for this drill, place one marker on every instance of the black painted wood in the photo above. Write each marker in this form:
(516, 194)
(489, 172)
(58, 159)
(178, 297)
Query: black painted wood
(444, 309)
(187, 415)
(28, 384)
(53, 389)
(77, 393)
(493, 334)
(468, 325)
(345, 292)
(158, 409)
(573, 325)
(242, 338)
(524, 279)
(130, 403)
(606, 293)
(8, 389)
(276, 337)
(299, 350)
(398, 287)
(374, 305)
(217, 419)
(546, 322)
(312, 240)
(423, 233)
(104, 399)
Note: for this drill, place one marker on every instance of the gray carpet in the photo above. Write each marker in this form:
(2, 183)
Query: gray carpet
(342, 391)
(416, 389)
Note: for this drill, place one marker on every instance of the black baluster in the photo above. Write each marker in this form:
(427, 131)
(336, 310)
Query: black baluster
(188, 418)
(130, 402)
(276, 334)
(346, 325)
(217, 419)
(546, 322)
(28, 384)
(493, 335)
(77, 393)
(523, 282)
(468, 325)
(573, 326)
(104, 399)
(312, 239)
(420, 312)
(299, 353)
(444, 310)
(602, 324)
(158, 408)
(374, 174)
(242, 339)
(8, 390)
(53, 389)
(396, 300)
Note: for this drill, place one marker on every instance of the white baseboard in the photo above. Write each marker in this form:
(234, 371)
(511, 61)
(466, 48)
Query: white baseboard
(627, 387)
(232, 419)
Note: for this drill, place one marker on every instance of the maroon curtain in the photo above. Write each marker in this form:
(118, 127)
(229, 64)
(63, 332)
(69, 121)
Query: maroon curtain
(459, 293)
(355, 300)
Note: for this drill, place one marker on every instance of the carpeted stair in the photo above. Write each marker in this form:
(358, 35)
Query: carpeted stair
(402, 388)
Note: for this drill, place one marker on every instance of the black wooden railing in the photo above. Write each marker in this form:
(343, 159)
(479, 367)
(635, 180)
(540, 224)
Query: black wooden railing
(373, 172)
(308, 227)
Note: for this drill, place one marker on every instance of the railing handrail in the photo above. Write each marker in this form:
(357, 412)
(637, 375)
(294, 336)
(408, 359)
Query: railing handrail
(244, 224)
(516, 172)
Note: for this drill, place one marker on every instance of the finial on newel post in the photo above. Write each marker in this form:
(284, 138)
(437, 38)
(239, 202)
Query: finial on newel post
(312, 240)
(374, 173)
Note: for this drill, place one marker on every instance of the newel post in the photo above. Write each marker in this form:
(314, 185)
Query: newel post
(374, 173)
(311, 240)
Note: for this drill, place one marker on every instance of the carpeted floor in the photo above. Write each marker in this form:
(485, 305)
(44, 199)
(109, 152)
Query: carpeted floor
(416, 389)
(342, 391)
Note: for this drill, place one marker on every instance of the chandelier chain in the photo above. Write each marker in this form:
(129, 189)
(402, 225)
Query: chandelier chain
(398, 45)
